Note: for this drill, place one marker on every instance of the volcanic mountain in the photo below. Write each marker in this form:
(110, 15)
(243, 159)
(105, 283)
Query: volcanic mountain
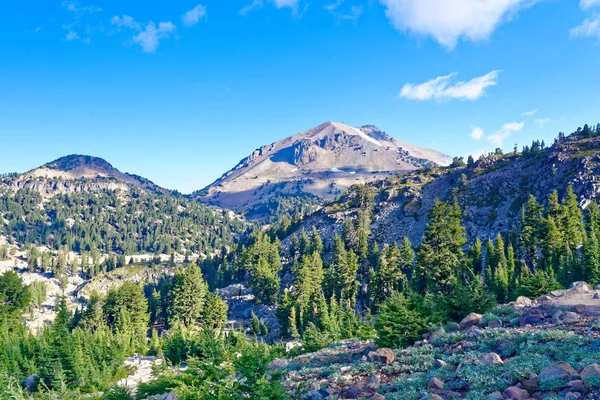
(322, 161)
(76, 173)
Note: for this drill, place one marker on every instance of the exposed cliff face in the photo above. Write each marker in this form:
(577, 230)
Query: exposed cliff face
(78, 173)
(322, 161)
(491, 193)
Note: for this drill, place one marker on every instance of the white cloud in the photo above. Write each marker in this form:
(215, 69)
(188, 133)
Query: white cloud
(530, 113)
(498, 138)
(149, 36)
(541, 122)
(585, 4)
(476, 133)
(74, 36)
(193, 16)
(513, 126)
(441, 88)
(78, 9)
(125, 22)
(590, 27)
(293, 4)
(353, 14)
(448, 21)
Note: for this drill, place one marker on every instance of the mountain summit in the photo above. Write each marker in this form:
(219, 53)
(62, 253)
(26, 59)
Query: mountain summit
(323, 161)
(76, 173)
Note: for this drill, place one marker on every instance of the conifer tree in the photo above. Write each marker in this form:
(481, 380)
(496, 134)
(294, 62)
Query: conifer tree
(187, 295)
(440, 253)
(214, 314)
(572, 219)
(316, 243)
(591, 259)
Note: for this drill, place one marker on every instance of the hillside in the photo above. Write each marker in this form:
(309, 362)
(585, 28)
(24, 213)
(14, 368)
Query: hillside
(491, 191)
(84, 204)
(323, 161)
(78, 173)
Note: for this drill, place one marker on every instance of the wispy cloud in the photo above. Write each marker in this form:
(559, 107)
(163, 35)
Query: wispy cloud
(530, 113)
(148, 36)
(293, 4)
(476, 133)
(193, 16)
(352, 14)
(586, 4)
(590, 27)
(542, 122)
(79, 12)
(448, 21)
(442, 88)
(497, 138)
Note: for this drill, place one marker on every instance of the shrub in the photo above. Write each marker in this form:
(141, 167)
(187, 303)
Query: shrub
(398, 323)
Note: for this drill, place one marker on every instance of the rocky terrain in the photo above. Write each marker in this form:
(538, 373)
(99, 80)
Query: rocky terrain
(323, 161)
(491, 192)
(548, 348)
(78, 173)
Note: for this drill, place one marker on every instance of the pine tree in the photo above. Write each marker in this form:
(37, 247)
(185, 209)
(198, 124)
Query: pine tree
(572, 219)
(214, 314)
(293, 324)
(254, 324)
(316, 243)
(440, 253)
(187, 295)
(476, 257)
(398, 323)
(532, 221)
(591, 259)
(304, 245)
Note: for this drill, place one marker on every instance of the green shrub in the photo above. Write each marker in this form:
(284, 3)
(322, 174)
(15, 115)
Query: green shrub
(398, 323)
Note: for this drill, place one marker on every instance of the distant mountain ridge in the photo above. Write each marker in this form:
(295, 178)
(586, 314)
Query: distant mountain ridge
(322, 161)
(76, 173)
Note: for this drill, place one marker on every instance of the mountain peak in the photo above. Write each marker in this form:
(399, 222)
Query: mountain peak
(322, 161)
(77, 162)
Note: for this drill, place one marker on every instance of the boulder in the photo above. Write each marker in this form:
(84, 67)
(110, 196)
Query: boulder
(377, 396)
(522, 301)
(383, 355)
(438, 332)
(372, 382)
(591, 373)
(491, 359)
(532, 317)
(580, 287)
(532, 383)
(470, 320)
(435, 383)
(495, 396)
(515, 393)
(559, 371)
(579, 308)
(597, 287)
(577, 384)
(572, 395)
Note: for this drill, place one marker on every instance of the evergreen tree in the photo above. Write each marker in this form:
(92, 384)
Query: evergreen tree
(398, 323)
(214, 314)
(187, 295)
(440, 253)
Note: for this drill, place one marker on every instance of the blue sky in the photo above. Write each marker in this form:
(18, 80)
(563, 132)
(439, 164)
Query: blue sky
(180, 91)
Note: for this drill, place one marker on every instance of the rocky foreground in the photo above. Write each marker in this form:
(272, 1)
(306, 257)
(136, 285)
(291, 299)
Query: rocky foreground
(548, 348)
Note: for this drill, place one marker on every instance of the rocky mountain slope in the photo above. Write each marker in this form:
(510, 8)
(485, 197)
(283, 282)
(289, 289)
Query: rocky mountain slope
(491, 191)
(78, 173)
(323, 161)
(542, 349)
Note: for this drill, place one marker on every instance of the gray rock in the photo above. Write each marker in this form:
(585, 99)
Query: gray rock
(438, 332)
(383, 355)
(495, 396)
(580, 287)
(522, 301)
(440, 363)
(31, 383)
(435, 383)
(491, 359)
(318, 394)
(515, 393)
(169, 396)
(470, 320)
(560, 371)
(591, 373)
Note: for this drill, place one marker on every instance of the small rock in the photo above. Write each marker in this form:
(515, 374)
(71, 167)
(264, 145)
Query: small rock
(352, 392)
(372, 382)
(597, 287)
(522, 301)
(556, 318)
(569, 317)
(532, 383)
(591, 372)
(491, 359)
(31, 383)
(383, 355)
(495, 396)
(596, 295)
(470, 320)
(377, 396)
(453, 326)
(440, 363)
(580, 287)
(496, 323)
(579, 308)
(561, 371)
(418, 343)
(435, 383)
(515, 393)
(278, 363)
(438, 332)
